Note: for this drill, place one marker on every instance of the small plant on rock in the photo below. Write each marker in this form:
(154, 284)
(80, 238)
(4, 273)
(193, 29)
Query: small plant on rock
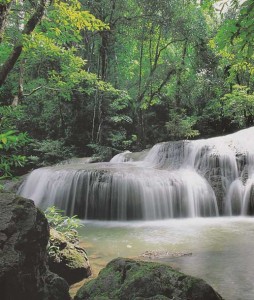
(64, 224)
(65, 256)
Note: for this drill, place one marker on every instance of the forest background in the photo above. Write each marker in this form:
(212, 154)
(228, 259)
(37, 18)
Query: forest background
(97, 77)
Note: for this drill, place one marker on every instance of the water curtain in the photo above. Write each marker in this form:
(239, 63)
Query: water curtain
(200, 178)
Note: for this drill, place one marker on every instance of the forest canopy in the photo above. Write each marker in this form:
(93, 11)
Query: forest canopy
(82, 78)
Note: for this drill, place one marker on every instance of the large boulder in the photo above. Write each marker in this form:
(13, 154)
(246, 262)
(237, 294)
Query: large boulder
(67, 259)
(24, 235)
(128, 279)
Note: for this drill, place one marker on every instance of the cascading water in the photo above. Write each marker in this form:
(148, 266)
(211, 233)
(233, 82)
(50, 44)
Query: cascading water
(173, 179)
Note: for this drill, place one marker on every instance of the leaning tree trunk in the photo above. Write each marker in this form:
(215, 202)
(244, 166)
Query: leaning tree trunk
(28, 29)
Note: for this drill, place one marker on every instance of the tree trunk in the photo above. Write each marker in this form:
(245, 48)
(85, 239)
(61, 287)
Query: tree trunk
(140, 132)
(17, 50)
(104, 54)
(9, 64)
(20, 96)
(179, 77)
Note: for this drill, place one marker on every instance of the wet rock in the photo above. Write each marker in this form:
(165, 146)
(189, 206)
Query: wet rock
(157, 254)
(216, 182)
(128, 279)
(12, 185)
(24, 236)
(67, 259)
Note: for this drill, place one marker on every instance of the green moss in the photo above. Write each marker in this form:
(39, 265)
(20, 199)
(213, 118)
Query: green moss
(73, 259)
(128, 279)
(65, 251)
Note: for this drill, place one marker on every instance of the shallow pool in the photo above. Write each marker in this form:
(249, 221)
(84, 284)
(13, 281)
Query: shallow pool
(222, 249)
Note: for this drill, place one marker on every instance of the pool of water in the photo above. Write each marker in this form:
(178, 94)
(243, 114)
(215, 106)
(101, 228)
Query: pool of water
(222, 249)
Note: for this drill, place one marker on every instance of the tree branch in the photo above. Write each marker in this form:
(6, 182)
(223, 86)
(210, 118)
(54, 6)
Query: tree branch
(164, 82)
(141, 95)
(33, 91)
(41, 87)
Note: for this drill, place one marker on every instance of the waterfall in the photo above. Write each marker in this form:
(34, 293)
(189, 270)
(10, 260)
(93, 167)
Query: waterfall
(173, 179)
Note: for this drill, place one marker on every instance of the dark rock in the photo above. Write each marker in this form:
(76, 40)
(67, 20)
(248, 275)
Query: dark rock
(216, 182)
(24, 235)
(67, 259)
(128, 279)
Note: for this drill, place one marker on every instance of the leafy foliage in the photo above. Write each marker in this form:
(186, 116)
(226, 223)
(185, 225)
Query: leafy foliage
(48, 152)
(239, 105)
(10, 144)
(181, 126)
(62, 223)
(101, 153)
(100, 77)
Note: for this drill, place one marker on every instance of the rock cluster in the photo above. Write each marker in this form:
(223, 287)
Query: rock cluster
(24, 235)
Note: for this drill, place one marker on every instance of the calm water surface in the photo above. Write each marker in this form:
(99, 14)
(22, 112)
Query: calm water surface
(222, 248)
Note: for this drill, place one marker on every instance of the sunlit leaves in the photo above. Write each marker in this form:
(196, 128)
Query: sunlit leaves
(10, 142)
(239, 105)
(10, 139)
(39, 43)
(4, 2)
(121, 118)
(65, 21)
(234, 42)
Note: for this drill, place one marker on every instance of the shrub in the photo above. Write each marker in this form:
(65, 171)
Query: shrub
(49, 152)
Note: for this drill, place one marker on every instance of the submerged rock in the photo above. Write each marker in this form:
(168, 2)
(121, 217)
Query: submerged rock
(24, 235)
(128, 279)
(67, 259)
(157, 254)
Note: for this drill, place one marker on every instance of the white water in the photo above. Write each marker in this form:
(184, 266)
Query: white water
(173, 179)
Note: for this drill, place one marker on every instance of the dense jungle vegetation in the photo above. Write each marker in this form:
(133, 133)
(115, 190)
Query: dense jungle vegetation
(96, 77)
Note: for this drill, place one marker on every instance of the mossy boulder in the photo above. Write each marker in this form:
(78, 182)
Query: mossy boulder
(67, 259)
(24, 235)
(128, 279)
